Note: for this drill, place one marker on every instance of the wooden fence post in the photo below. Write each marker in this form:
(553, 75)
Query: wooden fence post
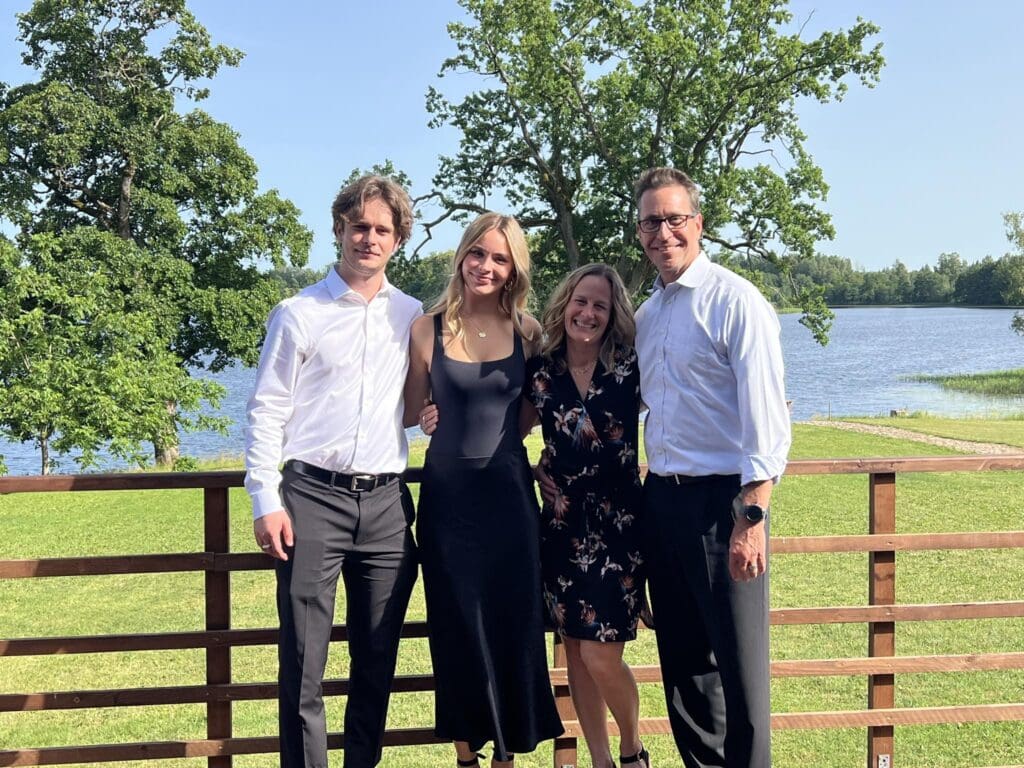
(882, 634)
(565, 755)
(216, 530)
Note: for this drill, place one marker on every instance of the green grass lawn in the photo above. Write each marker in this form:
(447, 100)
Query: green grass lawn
(54, 525)
(1005, 383)
(1007, 431)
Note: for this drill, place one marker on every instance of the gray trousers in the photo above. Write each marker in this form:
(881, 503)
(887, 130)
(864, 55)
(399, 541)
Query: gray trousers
(712, 632)
(366, 538)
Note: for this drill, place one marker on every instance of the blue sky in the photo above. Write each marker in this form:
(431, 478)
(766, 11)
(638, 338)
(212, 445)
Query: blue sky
(926, 162)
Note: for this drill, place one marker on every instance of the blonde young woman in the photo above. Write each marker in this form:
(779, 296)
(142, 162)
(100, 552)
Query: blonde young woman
(585, 390)
(478, 519)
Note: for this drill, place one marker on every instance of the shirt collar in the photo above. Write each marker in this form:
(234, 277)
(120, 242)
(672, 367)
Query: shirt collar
(692, 276)
(337, 287)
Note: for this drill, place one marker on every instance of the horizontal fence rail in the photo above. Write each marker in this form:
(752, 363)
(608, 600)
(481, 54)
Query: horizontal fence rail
(217, 639)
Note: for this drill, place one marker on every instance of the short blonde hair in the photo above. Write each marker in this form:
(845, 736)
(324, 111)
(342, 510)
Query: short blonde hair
(517, 290)
(350, 201)
(621, 330)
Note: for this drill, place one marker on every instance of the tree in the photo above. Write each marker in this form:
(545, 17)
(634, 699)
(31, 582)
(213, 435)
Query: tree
(950, 266)
(976, 284)
(290, 280)
(1012, 276)
(581, 95)
(97, 142)
(930, 286)
(88, 360)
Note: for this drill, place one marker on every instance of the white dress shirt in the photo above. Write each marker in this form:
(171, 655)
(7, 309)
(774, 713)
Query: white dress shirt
(329, 386)
(711, 373)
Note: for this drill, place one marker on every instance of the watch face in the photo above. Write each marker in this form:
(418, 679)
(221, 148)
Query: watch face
(753, 513)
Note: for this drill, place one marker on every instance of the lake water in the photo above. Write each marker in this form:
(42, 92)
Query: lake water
(863, 370)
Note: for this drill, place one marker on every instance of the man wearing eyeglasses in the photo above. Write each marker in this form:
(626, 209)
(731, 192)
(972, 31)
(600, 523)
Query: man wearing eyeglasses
(716, 435)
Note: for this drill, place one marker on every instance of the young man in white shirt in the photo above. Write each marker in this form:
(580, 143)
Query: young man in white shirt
(328, 405)
(716, 436)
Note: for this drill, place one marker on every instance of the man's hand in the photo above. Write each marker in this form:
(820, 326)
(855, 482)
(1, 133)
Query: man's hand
(429, 417)
(274, 533)
(548, 489)
(747, 548)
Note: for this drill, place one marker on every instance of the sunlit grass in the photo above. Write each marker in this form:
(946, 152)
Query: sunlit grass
(1003, 429)
(55, 525)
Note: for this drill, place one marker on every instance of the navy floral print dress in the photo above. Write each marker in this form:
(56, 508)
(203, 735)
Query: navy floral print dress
(590, 555)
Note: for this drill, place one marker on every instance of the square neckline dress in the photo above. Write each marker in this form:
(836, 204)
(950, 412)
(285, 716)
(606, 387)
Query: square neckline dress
(478, 533)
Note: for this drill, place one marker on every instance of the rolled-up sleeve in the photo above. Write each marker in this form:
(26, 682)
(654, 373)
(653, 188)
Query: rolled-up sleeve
(270, 408)
(755, 353)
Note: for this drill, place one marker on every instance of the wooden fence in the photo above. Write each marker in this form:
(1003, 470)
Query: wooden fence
(219, 692)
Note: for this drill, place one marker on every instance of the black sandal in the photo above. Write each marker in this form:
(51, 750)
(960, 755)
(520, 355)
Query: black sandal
(473, 762)
(642, 757)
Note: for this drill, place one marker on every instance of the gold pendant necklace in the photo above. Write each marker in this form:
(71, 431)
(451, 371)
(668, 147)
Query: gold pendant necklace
(479, 331)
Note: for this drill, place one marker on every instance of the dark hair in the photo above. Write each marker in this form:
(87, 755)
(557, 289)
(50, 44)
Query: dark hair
(656, 178)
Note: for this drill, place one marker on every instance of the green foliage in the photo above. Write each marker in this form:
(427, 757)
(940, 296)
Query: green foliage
(83, 317)
(424, 277)
(97, 142)
(186, 464)
(580, 96)
(1005, 383)
(290, 280)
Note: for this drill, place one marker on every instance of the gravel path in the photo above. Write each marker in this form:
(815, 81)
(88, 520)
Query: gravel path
(967, 446)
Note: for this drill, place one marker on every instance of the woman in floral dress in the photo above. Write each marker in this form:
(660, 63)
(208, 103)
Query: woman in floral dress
(585, 390)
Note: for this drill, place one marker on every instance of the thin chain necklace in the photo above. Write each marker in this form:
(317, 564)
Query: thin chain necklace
(479, 331)
(582, 370)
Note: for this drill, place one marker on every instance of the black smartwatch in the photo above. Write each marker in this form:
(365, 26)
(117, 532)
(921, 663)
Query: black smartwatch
(752, 513)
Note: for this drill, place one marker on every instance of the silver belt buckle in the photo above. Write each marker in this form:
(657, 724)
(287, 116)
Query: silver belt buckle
(354, 483)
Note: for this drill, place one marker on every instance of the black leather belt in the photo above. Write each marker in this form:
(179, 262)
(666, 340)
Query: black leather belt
(691, 479)
(353, 482)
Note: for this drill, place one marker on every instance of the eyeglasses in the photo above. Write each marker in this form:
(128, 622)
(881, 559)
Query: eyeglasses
(675, 221)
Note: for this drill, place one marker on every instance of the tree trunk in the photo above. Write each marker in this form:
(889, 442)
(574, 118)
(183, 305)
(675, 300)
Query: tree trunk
(166, 448)
(44, 453)
(560, 203)
(124, 203)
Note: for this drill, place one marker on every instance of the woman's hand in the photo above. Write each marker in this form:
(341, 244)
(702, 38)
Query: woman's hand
(548, 489)
(429, 417)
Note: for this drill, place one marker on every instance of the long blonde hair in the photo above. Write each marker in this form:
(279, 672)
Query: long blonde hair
(516, 290)
(621, 330)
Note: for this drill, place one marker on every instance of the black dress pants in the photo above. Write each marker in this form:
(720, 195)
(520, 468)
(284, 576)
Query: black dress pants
(712, 632)
(366, 538)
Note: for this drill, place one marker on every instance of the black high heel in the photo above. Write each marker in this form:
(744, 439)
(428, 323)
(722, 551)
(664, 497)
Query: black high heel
(643, 758)
(473, 762)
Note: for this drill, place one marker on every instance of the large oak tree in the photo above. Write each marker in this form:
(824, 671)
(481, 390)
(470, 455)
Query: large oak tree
(579, 96)
(98, 141)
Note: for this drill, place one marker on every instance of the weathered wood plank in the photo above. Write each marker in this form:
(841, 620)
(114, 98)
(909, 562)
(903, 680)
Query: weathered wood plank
(940, 611)
(893, 542)
(182, 694)
(43, 646)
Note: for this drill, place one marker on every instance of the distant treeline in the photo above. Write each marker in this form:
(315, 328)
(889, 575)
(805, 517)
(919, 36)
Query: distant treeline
(991, 282)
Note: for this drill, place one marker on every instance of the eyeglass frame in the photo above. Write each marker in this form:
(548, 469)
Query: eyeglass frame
(645, 225)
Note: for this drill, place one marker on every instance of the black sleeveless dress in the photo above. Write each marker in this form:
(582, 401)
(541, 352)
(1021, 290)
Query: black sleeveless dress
(478, 533)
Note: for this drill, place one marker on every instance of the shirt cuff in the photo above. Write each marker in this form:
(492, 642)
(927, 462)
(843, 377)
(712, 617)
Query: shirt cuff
(758, 467)
(265, 502)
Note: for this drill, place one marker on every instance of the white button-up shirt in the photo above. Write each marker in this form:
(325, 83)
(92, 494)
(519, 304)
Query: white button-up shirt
(329, 386)
(711, 373)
